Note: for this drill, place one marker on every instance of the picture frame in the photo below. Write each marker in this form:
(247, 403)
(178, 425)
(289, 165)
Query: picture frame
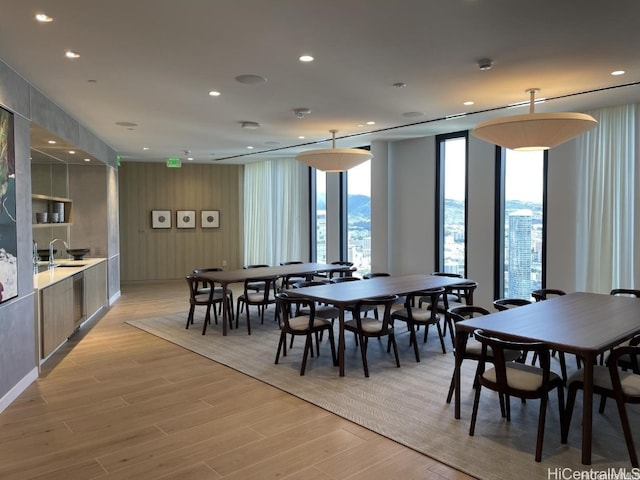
(210, 219)
(8, 216)
(160, 218)
(186, 219)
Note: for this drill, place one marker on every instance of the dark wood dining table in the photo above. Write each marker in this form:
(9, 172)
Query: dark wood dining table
(344, 294)
(226, 278)
(585, 324)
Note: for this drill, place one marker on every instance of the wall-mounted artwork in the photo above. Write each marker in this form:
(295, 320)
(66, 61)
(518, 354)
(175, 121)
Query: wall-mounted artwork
(186, 219)
(210, 219)
(161, 218)
(8, 235)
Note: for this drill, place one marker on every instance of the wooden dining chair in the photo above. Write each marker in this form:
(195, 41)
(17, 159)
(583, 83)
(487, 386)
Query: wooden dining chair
(506, 303)
(513, 379)
(629, 292)
(262, 297)
(425, 317)
(611, 382)
(217, 288)
(307, 325)
(365, 328)
(209, 299)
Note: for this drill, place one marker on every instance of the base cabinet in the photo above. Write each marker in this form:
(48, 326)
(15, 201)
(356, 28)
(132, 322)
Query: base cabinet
(95, 289)
(56, 315)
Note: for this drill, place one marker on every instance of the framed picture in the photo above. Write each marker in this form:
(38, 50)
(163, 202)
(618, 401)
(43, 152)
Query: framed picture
(186, 219)
(210, 219)
(8, 217)
(161, 218)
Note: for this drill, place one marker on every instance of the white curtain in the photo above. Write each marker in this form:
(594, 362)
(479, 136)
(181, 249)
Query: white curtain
(274, 206)
(607, 201)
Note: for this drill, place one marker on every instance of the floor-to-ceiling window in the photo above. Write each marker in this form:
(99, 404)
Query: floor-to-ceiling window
(451, 203)
(319, 219)
(520, 223)
(359, 217)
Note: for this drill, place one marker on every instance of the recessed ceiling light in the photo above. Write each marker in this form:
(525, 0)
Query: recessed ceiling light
(468, 103)
(72, 152)
(87, 159)
(412, 114)
(71, 54)
(250, 147)
(618, 72)
(190, 159)
(371, 123)
(43, 18)
(301, 137)
(214, 93)
(250, 79)
(52, 142)
(145, 148)
(306, 58)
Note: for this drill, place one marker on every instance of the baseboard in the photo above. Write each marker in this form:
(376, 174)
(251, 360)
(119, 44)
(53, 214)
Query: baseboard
(114, 297)
(18, 388)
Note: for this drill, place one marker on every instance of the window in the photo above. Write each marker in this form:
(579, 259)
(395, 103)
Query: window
(451, 203)
(359, 217)
(319, 217)
(520, 226)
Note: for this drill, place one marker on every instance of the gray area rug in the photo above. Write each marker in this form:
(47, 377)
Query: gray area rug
(407, 404)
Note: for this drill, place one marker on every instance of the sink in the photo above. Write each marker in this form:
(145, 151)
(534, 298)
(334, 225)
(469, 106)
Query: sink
(70, 265)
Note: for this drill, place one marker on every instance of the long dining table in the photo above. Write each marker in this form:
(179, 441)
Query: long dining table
(585, 324)
(228, 277)
(345, 294)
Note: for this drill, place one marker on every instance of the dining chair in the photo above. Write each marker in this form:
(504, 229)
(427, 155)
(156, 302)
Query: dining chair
(611, 382)
(338, 274)
(263, 296)
(365, 328)
(218, 289)
(630, 292)
(513, 379)
(416, 316)
(289, 280)
(307, 325)
(473, 348)
(540, 295)
(208, 298)
(457, 295)
(368, 276)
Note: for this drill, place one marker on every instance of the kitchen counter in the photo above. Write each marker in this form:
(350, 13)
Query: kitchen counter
(63, 269)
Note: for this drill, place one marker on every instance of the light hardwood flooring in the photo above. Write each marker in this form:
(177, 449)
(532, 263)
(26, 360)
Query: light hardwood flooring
(115, 403)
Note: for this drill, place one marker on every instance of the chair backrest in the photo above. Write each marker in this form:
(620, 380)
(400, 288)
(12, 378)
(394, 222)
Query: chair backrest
(463, 291)
(284, 302)
(447, 274)
(432, 294)
(296, 262)
(498, 359)
(264, 285)
(203, 270)
(344, 273)
(625, 291)
(308, 283)
(262, 265)
(506, 303)
(367, 276)
(545, 293)
(194, 281)
(386, 302)
(465, 312)
(632, 351)
(344, 279)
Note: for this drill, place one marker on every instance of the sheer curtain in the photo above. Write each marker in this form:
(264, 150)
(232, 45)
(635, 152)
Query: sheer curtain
(607, 201)
(275, 206)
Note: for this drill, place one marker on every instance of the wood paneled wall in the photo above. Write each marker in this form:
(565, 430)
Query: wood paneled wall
(160, 254)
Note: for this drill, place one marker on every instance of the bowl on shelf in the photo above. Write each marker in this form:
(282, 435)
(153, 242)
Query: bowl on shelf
(77, 253)
(43, 254)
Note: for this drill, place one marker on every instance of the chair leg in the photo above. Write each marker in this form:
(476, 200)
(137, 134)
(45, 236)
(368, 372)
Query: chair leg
(541, 419)
(307, 347)
(571, 401)
(563, 367)
(444, 350)
(248, 320)
(332, 343)
(190, 316)
(474, 413)
(363, 353)
(412, 336)
(624, 420)
(282, 343)
(452, 387)
(392, 340)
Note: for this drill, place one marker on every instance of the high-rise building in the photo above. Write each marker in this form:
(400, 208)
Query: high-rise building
(519, 277)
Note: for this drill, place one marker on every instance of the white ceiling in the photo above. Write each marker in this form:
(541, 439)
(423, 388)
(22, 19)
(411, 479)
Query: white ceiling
(153, 62)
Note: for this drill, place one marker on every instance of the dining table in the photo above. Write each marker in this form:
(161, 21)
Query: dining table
(345, 294)
(227, 277)
(581, 323)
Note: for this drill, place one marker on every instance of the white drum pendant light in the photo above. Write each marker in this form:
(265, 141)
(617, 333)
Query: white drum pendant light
(334, 159)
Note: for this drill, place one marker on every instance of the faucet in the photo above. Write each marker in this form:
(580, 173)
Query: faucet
(51, 264)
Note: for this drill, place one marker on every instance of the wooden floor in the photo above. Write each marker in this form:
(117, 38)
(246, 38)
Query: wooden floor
(118, 403)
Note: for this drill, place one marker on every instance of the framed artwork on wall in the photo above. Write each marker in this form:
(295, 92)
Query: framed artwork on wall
(186, 219)
(161, 218)
(8, 227)
(210, 219)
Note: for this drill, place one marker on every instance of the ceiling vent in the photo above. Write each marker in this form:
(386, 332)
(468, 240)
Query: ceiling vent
(250, 125)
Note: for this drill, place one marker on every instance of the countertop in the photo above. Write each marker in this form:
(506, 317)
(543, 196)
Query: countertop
(63, 269)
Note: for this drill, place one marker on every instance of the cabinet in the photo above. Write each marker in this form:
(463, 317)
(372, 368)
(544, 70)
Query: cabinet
(56, 302)
(44, 203)
(95, 288)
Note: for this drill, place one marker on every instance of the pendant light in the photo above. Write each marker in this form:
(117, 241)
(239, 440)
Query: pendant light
(534, 131)
(334, 159)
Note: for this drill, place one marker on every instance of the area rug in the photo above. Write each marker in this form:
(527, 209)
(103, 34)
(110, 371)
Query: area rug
(408, 404)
